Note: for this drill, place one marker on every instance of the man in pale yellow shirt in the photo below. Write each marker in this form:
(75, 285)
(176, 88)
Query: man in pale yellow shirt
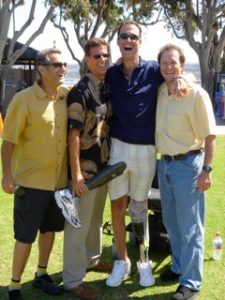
(34, 162)
(185, 138)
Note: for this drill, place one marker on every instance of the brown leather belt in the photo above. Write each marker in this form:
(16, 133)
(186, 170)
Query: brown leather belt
(181, 156)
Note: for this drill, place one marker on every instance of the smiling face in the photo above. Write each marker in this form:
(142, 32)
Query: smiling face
(170, 65)
(98, 61)
(54, 71)
(129, 41)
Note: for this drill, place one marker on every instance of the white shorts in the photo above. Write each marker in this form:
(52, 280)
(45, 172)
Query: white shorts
(137, 178)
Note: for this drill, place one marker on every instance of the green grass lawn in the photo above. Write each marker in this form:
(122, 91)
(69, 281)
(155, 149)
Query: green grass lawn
(214, 271)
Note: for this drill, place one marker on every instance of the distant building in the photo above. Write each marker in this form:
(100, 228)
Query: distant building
(21, 75)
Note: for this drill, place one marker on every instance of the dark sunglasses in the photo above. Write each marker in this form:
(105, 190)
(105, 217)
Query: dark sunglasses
(125, 36)
(98, 56)
(57, 65)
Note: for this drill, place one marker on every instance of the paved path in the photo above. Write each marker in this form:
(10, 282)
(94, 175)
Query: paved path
(220, 128)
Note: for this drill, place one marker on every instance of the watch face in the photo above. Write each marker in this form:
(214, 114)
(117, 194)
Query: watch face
(207, 168)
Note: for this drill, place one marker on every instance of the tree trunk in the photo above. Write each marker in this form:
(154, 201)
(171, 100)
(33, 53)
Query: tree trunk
(12, 56)
(5, 16)
(2, 91)
(208, 78)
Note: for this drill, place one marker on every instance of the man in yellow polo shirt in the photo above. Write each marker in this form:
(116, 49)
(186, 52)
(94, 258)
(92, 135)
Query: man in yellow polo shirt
(34, 164)
(185, 138)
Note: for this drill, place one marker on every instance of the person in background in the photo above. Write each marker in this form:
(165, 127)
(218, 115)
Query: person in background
(185, 138)
(34, 164)
(88, 113)
(133, 84)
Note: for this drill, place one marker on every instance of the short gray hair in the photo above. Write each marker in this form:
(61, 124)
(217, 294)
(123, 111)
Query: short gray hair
(43, 56)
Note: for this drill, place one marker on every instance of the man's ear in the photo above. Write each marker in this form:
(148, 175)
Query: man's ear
(40, 69)
(182, 67)
(140, 41)
(86, 60)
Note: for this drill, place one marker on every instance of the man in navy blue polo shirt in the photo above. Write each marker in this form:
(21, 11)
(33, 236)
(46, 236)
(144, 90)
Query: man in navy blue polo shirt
(134, 84)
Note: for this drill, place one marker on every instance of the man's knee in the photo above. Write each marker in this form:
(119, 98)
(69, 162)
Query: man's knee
(119, 204)
(138, 210)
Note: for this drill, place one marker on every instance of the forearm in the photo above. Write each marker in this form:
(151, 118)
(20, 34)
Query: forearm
(204, 180)
(6, 154)
(8, 183)
(78, 182)
(210, 146)
(74, 152)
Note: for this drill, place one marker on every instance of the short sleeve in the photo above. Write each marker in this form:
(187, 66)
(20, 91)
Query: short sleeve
(76, 109)
(15, 119)
(203, 117)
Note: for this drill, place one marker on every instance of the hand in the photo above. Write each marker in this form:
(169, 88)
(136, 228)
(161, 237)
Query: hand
(180, 87)
(204, 181)
(79, 186)
(8, 184)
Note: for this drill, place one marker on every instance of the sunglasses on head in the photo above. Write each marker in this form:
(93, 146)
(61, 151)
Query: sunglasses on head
(57, 64)
(98, 56)
(125, 36)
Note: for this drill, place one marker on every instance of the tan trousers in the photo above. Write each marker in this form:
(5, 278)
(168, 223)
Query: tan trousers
(83, 247)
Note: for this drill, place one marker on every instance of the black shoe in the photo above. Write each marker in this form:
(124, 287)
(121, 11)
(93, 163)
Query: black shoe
(46, 283)
(14, 295)
(169, 275)
(185, 293)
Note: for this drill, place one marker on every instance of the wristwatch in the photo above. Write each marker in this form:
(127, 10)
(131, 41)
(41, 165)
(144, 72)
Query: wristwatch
(207, 168)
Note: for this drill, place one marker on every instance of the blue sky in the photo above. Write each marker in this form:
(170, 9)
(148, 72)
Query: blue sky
(153, 37)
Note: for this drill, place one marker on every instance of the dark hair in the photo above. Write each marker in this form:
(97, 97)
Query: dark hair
(43, 56)
(168, 47)
(130, 22)
(93, 43)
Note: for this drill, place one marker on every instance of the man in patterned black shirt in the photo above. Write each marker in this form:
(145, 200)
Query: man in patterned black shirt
(88, 111)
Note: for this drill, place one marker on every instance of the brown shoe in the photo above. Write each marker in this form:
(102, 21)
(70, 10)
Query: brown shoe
(101, 267)
(84, 291)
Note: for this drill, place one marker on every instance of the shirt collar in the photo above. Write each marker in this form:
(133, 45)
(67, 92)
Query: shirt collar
(41, 94)
(94, 80)
(140, 65)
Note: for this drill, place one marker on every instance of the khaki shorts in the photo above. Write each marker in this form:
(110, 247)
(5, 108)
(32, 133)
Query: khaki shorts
(137, 179)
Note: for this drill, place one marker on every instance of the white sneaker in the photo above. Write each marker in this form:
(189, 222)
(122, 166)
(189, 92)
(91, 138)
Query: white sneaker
(121, 269)
(145, 271)
(69, 206)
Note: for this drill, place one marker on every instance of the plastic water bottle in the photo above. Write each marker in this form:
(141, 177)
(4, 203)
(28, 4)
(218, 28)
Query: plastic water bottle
(217, 247)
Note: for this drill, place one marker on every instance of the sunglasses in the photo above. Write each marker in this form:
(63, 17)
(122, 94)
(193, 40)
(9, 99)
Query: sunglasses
(56, 65)
(125, 36)
(98, 56)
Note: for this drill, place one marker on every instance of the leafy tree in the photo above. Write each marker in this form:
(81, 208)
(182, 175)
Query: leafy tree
(95, 18)
(202, 24)
(7, 12)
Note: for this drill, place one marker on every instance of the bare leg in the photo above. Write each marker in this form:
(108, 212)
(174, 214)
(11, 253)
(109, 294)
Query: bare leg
(45, 244)
(118, 209)
(20, 257)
